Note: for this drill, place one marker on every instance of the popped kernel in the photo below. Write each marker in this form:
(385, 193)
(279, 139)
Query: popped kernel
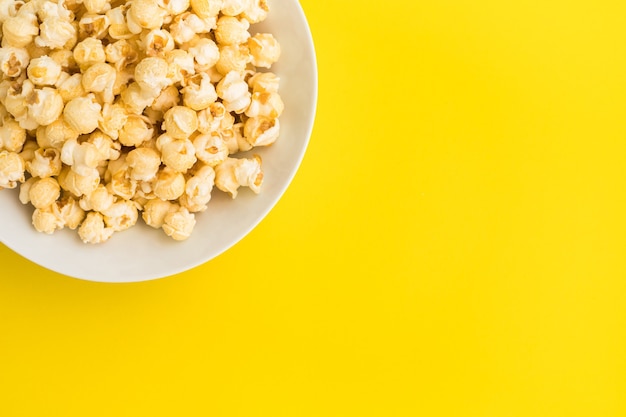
(151, 74)
(155, 210)
(20, 30)
(78, 184)
(180, 122)
(93, 229)
(68, 211)
(231, 30)
(121, 215)
(179, 224)
(135, 131)
(12, 136)
(198, 189)
(100, 199)
(43, 192)
(82, 114)
(46, 162)
(261, 130)
(264, 50)
(179, 155)
(56, 33)
(13, 60)
(11, 169)
(93, 26)
(45, 106)
(169, 184)
(233, 91)
(265, 104)
(143, 163)
(45, 221)
(210, 149)
(234, 173)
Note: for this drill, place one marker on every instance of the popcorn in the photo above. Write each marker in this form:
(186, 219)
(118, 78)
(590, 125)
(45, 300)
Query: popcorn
(143, 163)
(264, 50)
(19, 30)
(180, 65)
(155, 210)
(12, 136)
(121, 215)
(118, 28)
(135, 131)
(121, 53)
(78, 184)
(83, 157)
(65, 58)
(96, 6)
(46, 162)
(93, 229)
(88, 52)
(205, 53)
(13, 60)
(233, 91)
(265, 104)
(206, 8)
(82, 114)
(55, 134)
(24, 190)
(180, 122)
(199, 93)
(43, 192)
(144, 14)
(198, 190)
(169, 184)
(179, 155)
(110, 111)
(71, 87)
(45, 106)
(11, 169)
(234, 173)
(235, 7)
(136, 99)
(113, 119)
(100, 199)
(56, 33)
(157, 42)
(166, 100)
(151, 74)
(187, 25)
(100, 78)
(174, 7)
(233, 58)
(256, 12)
(261, 130)
(8, 8)
(264, 82)
(235, 140)
(45, 221)
(210, 119)
(179, 224)
(68, 211)
(93, 26)
(210, 149)
(231, 30)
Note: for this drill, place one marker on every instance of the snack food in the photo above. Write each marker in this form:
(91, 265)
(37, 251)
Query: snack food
(133, 109)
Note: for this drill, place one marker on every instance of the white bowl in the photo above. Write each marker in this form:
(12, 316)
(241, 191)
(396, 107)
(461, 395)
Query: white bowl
(142, 253)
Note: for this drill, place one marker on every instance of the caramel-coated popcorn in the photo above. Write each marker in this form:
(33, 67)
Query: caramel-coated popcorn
(114, 111)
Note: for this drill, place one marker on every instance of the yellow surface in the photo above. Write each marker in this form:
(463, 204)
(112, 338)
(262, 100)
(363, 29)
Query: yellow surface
(453, 244)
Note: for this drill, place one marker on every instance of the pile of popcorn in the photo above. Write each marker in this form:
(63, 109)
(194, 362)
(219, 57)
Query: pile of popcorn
(115, 109)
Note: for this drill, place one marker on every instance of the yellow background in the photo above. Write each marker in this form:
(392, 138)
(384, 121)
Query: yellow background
(454, 243)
